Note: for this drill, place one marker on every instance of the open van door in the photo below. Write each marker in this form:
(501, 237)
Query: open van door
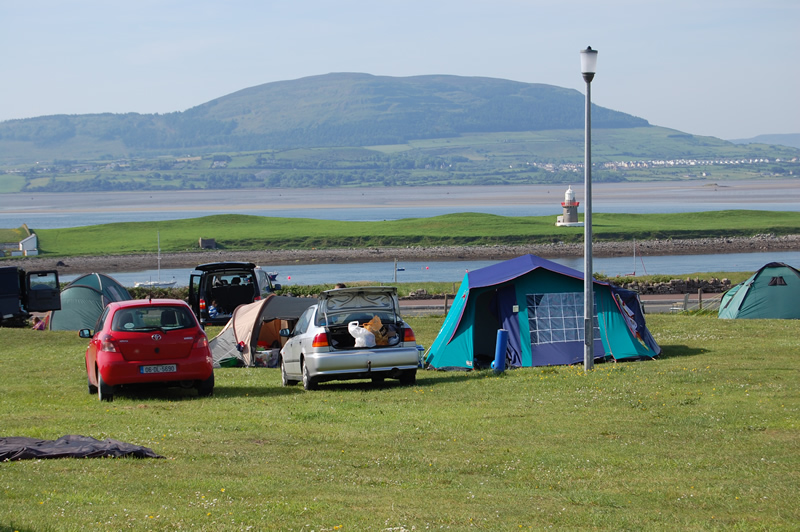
(194, 288)
(42, 291)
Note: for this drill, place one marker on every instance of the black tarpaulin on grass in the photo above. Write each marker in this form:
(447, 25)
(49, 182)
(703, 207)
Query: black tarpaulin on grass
(70, 446)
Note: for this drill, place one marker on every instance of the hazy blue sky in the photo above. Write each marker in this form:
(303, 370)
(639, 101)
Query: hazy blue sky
(727, 68)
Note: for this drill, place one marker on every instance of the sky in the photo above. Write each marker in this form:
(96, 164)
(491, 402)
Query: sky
(723, 68)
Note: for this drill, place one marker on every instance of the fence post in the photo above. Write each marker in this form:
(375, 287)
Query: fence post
(700, 299)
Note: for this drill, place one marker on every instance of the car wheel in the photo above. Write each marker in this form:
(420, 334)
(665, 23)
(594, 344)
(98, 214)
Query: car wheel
(309, 383)
(285, 380)
(206, 388)
(409, 378)
(105, 392)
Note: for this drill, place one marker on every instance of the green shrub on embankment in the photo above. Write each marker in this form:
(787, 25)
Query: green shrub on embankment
(437, 288)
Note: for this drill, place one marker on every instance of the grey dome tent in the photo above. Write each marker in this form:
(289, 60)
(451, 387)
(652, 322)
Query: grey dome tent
(83, 300)
(253, 329)
(773, 292)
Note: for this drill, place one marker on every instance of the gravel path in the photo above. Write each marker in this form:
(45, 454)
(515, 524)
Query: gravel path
(126, 263)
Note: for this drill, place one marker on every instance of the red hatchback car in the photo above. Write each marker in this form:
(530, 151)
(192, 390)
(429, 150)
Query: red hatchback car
(148, 341)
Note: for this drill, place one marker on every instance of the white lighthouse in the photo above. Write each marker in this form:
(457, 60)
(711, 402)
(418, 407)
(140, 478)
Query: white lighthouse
(570, 206)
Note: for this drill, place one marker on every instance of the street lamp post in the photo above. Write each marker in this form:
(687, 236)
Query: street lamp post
(588, 68)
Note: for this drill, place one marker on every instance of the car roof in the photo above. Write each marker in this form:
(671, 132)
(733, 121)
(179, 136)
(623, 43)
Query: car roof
(211, 266)
(128, 303)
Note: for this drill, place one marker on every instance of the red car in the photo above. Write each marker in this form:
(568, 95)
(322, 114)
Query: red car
(148, 341)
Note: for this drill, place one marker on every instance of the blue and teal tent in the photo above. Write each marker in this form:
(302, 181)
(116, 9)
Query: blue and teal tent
(773, 292)
(540, 304)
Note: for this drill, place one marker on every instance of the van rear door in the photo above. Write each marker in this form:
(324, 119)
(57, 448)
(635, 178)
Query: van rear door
(43, 292)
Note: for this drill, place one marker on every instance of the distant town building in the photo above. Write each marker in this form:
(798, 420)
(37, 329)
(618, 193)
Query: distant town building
(570, 216)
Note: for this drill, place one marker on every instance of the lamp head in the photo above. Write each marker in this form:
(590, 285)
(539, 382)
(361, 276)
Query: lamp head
(588, 64)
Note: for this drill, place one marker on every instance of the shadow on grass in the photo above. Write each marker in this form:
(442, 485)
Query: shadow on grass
(265, 390)
(14, 528)
(154, 393)
(145, 392)
(675, 351)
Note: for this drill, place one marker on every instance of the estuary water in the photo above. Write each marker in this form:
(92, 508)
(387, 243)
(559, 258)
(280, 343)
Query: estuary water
(453, 271)
(54, 211)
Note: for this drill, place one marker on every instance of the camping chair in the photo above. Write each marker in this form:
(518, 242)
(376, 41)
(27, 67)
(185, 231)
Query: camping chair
(681, 307)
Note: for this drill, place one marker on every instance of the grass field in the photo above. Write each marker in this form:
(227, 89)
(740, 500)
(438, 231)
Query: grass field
(243, 232)
(707, 437)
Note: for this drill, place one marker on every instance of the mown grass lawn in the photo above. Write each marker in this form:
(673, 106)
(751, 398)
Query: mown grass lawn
(707, 437)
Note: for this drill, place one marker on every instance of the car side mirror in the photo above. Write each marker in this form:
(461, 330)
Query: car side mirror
(285, 333)
(276, 287)
(85, 333)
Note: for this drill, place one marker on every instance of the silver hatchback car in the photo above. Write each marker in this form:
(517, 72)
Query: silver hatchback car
(351, 333)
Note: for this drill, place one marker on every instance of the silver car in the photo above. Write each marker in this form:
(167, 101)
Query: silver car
(351, 333)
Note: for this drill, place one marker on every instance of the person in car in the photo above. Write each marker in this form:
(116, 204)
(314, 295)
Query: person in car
(213, 311)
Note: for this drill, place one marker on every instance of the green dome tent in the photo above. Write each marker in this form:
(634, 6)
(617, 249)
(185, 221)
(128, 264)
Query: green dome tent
(83, 300)
(773, 292)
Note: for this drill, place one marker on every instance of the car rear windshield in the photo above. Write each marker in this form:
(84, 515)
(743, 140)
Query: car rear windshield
(152, 318)
(342, 308)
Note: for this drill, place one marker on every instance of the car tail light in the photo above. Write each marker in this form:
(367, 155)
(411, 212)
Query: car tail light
(320, 340)
(257, 298)
(408, 335)
(202, 304)
(108, 344)
(201, 342)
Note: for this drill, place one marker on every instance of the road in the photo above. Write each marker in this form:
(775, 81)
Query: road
(653, 304)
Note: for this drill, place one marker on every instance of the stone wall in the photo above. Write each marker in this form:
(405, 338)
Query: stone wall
(680, 286)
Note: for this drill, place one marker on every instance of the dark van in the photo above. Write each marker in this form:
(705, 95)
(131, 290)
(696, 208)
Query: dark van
(22, 293)
(226, 285)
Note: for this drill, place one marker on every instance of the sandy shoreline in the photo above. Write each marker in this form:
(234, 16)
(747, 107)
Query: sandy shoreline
(130, 263)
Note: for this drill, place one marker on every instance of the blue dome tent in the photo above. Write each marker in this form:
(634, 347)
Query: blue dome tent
(540, 304)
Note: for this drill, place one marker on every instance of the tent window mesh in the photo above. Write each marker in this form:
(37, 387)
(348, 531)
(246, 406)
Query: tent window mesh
(557, 318)
(777, 281)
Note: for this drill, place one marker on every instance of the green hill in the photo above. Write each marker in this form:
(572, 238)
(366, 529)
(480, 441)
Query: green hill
(328, 110)
(350, 129)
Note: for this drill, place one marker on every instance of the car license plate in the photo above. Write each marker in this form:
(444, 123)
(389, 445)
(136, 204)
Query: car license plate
(163, 368)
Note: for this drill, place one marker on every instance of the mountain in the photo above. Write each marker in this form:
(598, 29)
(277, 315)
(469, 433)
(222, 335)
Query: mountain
(791, 140)
(340, 109)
